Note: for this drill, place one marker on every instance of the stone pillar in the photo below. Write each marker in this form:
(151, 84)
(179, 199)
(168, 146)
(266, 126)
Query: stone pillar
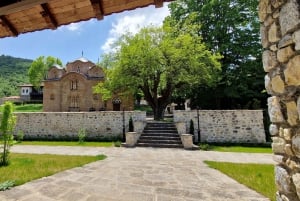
(280, 35)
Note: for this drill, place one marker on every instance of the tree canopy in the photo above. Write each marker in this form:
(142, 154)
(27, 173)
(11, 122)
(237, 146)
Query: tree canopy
(231, 28)
(156, 61)
(39, 69)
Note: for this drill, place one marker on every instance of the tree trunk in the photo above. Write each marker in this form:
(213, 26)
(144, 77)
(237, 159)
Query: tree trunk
(159, 112)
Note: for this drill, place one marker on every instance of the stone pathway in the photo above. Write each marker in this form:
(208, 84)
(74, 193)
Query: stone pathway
(138, 174)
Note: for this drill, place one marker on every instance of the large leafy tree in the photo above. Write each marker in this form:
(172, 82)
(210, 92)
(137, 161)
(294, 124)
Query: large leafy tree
(39, 68)
(156, 61)
(230, 27)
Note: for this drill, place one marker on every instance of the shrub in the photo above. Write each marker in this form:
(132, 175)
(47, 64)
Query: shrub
(192, 127)
(20, 136)
(131, 128)
(6, 185)
(117, 143)
(81, 135)
(204, 146)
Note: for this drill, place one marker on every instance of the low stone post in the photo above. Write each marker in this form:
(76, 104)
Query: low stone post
(187, 141)
(131, 139)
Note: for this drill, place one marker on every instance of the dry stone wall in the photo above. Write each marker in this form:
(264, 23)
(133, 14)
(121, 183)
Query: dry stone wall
(280, 35)
(65, 125)
(232, 126)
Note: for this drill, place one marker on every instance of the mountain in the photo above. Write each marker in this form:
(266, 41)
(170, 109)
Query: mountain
(13, 72)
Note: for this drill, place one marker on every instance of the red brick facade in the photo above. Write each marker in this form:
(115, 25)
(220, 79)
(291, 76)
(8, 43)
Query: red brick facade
(70, 89)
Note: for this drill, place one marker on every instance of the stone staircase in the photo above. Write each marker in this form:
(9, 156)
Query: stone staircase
(160, 134)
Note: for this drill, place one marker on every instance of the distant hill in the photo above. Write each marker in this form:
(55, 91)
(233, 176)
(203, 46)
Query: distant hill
(13, 72)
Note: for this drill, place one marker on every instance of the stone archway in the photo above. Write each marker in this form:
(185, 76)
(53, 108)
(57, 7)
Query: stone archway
(280, 34)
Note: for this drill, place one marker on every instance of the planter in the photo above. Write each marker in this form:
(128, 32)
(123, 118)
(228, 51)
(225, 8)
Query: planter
(132, 138)
(187, 141)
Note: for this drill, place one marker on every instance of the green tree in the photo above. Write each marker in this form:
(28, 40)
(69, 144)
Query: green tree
(231, 28)
(39, 69)
(8, 122)
(157, 61)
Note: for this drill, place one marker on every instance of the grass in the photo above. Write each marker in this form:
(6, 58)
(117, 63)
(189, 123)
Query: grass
(259, 177)
(27, 167)
(243, 149)
(68, 143)
(27, 108)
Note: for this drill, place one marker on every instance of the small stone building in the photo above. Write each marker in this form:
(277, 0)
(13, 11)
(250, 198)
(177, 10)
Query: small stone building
(28, 93)
(70, 89)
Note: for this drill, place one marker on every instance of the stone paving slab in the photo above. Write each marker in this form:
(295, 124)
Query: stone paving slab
(138, 174)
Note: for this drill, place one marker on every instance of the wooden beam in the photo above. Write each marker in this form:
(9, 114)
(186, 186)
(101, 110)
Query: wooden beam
(50, 19)
(9, 25)
(158, 3)
(98, 9)
(16, 6)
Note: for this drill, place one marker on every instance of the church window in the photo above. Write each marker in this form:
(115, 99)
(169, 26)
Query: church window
(74, 84)
(74, 102)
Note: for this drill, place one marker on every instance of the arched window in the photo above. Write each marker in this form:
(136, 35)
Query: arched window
(74, 84)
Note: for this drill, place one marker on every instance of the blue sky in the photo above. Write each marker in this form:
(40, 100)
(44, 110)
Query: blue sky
(93, 37)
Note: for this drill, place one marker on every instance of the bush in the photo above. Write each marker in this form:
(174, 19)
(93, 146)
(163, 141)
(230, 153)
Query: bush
(20, 136)
(6, 185)
(192, 129)
(204, 146)
(131, 128)
(117, 143)
(81, 135)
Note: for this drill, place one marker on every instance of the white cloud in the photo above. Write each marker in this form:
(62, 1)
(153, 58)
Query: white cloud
(133, 21)
(73, 26)
(76, 26)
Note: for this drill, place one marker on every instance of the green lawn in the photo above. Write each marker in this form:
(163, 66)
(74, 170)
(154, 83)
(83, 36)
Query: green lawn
(259, 177)
(69, 143)
(27, 167)
(244, 149)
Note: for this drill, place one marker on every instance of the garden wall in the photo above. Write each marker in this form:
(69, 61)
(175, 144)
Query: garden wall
(65, 125)
(224, 126)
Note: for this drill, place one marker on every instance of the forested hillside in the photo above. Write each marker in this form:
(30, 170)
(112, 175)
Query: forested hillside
(13, 72)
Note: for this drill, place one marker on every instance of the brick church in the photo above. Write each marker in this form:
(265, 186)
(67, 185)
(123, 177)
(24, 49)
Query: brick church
(70, 89)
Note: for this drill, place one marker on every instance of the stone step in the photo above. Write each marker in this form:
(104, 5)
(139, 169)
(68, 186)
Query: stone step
(160, 140)
(160, 131)
(159, 145)
(143, 137)
(160, 135)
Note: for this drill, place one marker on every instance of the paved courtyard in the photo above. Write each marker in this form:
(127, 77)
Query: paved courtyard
(138, 174)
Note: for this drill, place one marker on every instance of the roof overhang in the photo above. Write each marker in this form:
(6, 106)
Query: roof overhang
(22, 16)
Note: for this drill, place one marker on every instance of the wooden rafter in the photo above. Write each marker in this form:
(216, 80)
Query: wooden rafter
(98, 9)
(158, 3)
(50, 19)
(9, 25)
(15, 6)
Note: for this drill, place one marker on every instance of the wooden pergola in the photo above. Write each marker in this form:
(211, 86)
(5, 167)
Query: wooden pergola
(22, 16)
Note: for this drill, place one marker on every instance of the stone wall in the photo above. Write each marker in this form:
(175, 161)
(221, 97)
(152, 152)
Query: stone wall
(65, 125)
(232, 126)
(280, 33)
